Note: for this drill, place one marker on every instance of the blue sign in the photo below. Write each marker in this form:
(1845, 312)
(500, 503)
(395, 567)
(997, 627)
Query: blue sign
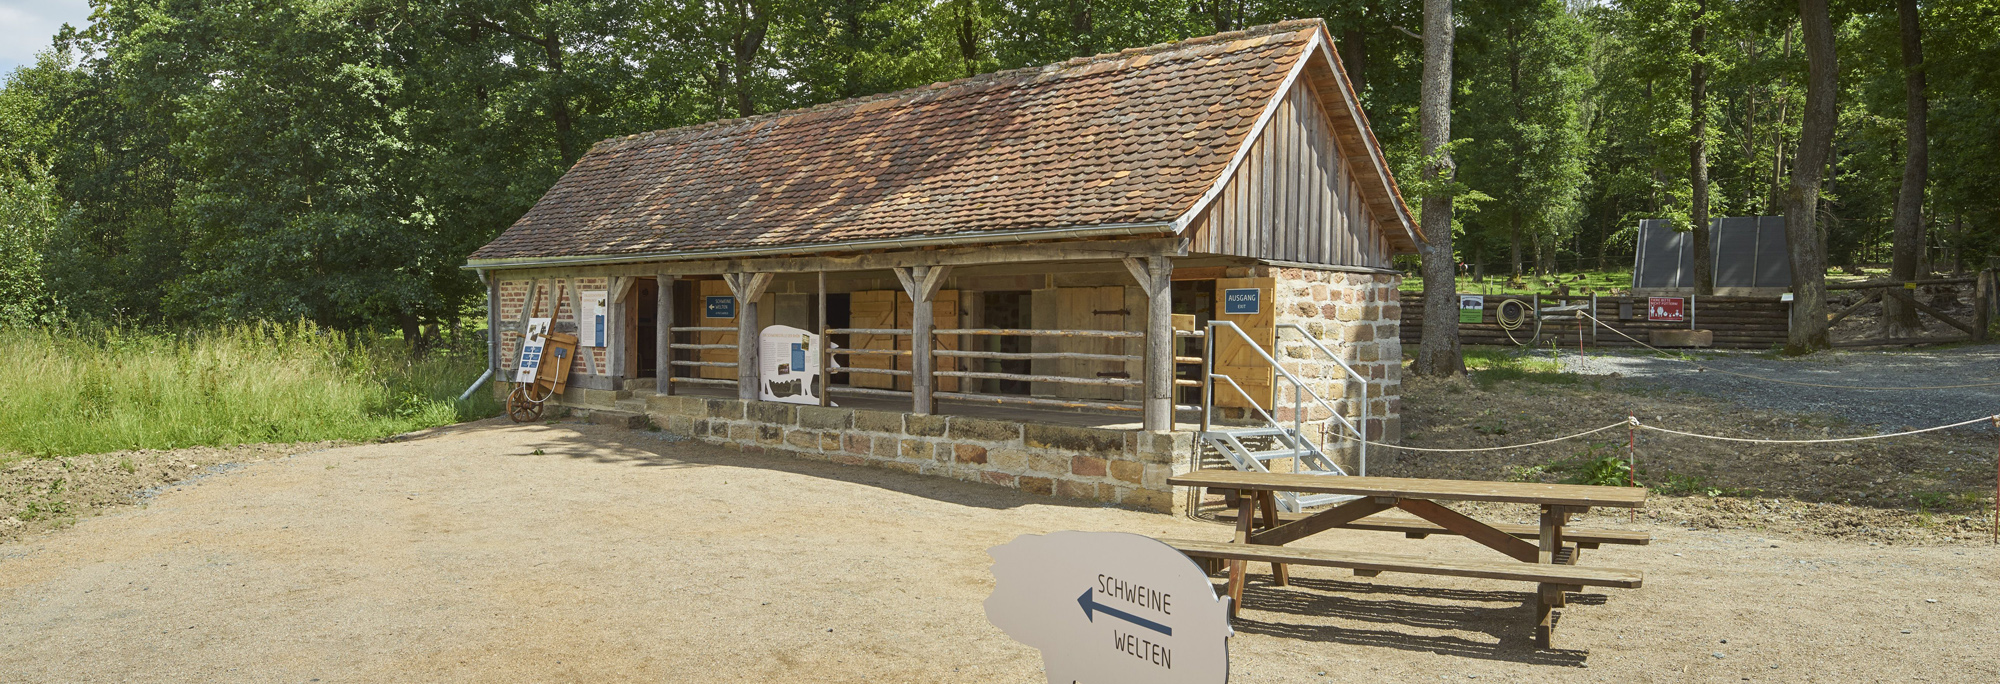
(1242, 301)
(798, 357)
(723, 306)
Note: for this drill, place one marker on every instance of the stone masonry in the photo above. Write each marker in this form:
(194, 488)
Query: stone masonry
(1357, 316)
(1125, 467)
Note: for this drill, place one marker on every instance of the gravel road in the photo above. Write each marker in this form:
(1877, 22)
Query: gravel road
(1886, 410)
(577, 553)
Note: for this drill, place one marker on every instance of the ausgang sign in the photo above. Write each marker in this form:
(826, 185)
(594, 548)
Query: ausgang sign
(1110, 607)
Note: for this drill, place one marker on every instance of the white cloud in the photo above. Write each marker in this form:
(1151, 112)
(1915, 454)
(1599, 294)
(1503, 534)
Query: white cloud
(27, 25)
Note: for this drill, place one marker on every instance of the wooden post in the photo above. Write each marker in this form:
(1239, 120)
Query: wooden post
(1155, 276)
(922, 284)
(614, 331)
(663, 335)
(825, 359)
(748, 288)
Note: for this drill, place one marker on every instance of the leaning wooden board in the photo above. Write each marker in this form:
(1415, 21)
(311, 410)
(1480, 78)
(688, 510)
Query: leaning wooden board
(1412, 488)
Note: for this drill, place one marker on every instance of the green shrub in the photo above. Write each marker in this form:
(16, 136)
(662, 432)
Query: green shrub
(96, 390)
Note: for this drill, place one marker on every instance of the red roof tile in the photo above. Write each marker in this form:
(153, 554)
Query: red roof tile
(1130, 138)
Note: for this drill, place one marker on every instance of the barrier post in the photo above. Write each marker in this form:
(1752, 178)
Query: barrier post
(1632, 455)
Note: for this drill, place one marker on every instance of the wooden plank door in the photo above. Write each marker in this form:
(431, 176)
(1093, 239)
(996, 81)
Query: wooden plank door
(872, 309)
(715, 288)
(1091, 308)
(1234, 357)
(944, 315)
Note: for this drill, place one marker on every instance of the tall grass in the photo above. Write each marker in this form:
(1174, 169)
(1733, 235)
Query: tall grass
(66, 392)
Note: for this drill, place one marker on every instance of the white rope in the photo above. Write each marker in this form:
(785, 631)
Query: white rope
(1634, 422)
(1504, 448)
(1673, 357)
(1815, 441)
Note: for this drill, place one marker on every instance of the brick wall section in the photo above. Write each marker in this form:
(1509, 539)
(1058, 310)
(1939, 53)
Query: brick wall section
(1357, 316)
(514, 292)
(1124, 467)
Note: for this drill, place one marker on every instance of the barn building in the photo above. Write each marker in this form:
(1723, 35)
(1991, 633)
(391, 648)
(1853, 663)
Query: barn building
(1056, 241)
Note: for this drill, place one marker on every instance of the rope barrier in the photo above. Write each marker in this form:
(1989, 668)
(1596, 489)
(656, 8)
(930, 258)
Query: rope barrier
(1633, 422)
(1502, 448)
(1815, 441)
(1673, 357)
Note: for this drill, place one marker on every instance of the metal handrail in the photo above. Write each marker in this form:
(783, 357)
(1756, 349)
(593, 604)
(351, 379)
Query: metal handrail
(1298, 385)
(1360, 433)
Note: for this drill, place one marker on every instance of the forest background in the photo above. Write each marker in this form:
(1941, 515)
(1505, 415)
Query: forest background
(192, 162)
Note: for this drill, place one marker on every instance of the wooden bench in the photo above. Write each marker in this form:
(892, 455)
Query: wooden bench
(1552, 581)
(1570, 577)
(1415, 528)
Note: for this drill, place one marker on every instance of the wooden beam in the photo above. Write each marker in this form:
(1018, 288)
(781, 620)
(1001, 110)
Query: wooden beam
(922, 283)
(748, 288)
(663, 335)
(1322, 521)
(1019, 253)
(620, 285)
(1160, 340)
(1933, 311)
(1471, 529)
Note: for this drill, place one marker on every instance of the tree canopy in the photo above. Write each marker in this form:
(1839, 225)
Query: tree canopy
(184, 161)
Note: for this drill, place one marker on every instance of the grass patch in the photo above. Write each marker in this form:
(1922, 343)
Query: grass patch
(79, 392)
(1492, 366)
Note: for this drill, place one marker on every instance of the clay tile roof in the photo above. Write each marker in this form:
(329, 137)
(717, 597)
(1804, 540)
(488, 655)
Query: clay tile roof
(1132, 138)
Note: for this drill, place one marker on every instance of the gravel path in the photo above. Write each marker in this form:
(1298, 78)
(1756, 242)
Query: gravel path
(577, 553)
(1886, 410)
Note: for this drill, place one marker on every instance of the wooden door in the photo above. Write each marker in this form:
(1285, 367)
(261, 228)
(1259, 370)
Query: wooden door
(944, 315)
(1091, 308)
(872, 309)
(715, 288)
(1234, 357)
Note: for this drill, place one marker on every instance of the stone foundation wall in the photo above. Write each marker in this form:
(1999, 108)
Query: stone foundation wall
(1125, 467)
(1357, 316)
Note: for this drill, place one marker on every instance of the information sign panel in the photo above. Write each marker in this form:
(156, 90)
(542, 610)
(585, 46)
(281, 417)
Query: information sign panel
(1107, 607)
(1666, 309)
(1471, 308)
(721, 306)
(1242, 301)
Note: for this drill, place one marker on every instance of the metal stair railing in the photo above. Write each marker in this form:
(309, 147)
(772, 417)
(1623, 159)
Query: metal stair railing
(1359, 431)
(1303, 449)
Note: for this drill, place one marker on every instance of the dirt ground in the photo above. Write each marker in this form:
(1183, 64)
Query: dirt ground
(1930, 488)
(493, 552)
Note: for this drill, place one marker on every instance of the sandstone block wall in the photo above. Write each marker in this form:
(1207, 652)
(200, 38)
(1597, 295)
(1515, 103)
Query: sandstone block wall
(1124, 467)
(1357, 316)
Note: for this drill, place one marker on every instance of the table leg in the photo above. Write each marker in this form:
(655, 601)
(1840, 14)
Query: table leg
(1246, 514)
(1269, 502)
(1553, 519)
(1546, 601)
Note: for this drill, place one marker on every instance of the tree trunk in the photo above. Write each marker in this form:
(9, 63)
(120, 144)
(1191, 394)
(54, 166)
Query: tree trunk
(1514, 245)
(1704, 256)
(753, 23)
(1808, 253)
(1439, 354)
(1899, 319)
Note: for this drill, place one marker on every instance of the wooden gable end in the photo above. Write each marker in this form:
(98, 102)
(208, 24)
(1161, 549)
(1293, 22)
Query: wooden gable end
(1298, 194)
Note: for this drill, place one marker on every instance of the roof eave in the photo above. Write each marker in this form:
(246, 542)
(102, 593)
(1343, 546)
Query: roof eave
(1043, 235)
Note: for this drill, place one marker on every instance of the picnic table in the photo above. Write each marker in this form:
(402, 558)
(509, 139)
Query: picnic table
(1546, 554)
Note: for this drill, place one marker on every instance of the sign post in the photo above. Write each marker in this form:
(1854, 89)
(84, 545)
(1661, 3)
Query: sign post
(1110, 607)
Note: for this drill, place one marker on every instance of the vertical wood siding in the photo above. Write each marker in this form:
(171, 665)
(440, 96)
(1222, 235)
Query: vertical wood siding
(1294, 197)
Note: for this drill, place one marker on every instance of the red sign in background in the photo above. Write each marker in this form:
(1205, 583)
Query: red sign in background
(1666, 309)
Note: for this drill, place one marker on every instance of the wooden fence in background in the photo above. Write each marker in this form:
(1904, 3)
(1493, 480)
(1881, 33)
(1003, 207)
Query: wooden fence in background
(1738, 322)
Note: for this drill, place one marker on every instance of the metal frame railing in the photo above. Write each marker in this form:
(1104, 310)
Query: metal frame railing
(1300, 390)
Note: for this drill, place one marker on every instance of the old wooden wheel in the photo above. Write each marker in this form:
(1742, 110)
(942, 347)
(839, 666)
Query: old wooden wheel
(523, 406)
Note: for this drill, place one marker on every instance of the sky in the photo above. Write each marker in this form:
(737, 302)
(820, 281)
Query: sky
(27, 25)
